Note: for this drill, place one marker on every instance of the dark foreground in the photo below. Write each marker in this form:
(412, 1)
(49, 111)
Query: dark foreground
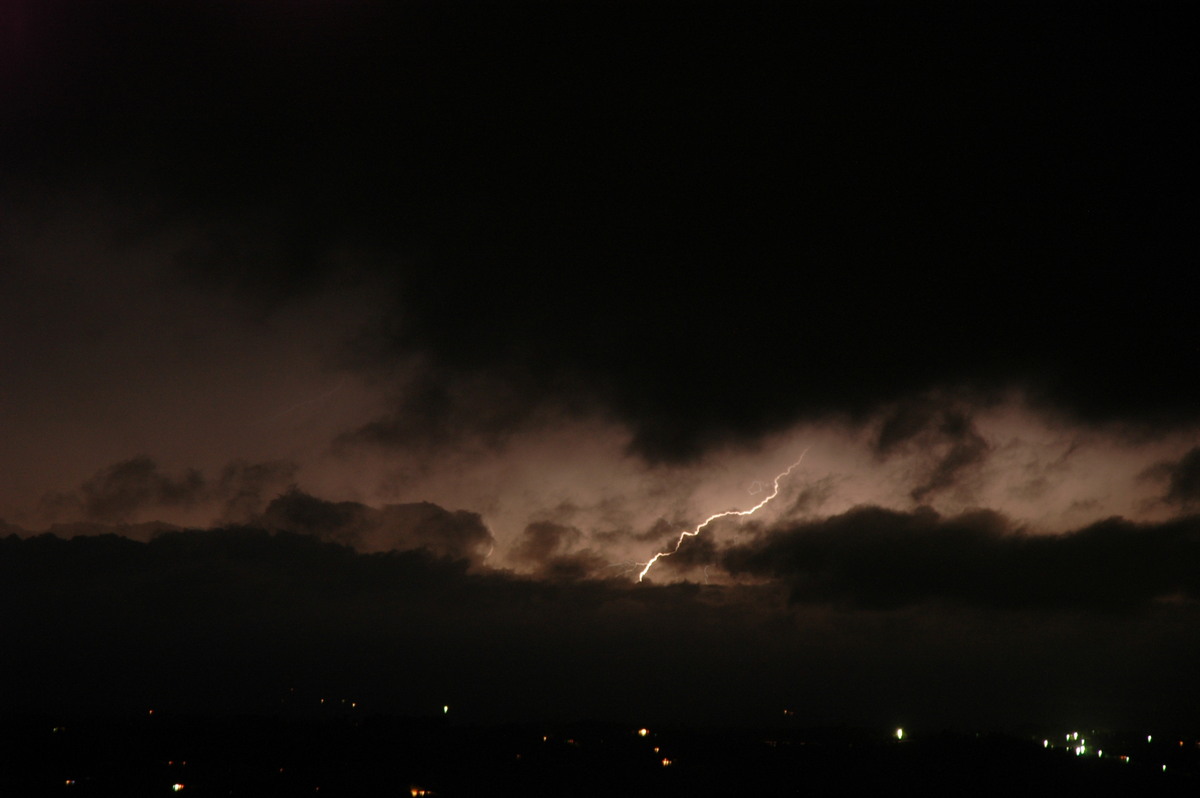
(402, 757)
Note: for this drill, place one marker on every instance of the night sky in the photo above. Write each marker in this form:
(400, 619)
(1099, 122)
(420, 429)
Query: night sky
(371, 350)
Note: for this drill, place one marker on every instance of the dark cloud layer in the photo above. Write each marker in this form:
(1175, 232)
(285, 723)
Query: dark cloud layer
(876, 558)
(232, 619)
(707, 222)
(444, 533)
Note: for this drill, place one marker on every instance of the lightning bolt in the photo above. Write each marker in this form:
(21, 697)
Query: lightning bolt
(692, 533)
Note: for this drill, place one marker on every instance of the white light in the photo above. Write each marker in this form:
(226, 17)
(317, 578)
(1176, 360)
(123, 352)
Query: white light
(1164, 768)
(899, 734)
(446, 709)
(176, 787)
(1045, 743)
(1149, 738)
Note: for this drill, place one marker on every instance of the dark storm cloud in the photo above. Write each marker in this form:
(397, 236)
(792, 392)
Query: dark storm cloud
(764, 215)
(122, 490)
(227, 620)
(544, 539)
(877, 558)
(939, 425)
(1183, 486)
(967, 448)
(550, 551)
(230, 618)
(116, 492)
(422, 525)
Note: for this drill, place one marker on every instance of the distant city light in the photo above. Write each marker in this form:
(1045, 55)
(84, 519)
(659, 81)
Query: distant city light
(666, 762)
(176, 787)
(1045, 743)
(1149, 737)
(899, 734)
(1164, 768)
(643, 732)
(446, 709)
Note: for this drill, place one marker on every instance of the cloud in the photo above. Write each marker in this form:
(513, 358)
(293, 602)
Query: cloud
(543, 255)
(1183, 486)
(118, 491)
(227, 620)
(943, 427)
(125, 490)
(456, 534)
(548, 550)
(876, 558)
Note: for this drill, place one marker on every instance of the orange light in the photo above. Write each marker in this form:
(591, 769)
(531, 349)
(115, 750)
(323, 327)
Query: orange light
(666, 761)
(643, 732)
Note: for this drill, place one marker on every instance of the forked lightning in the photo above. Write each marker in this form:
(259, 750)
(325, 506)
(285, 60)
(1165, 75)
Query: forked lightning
(715, 516)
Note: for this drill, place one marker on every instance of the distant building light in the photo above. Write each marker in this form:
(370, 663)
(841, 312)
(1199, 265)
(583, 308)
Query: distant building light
(70, 782)
(1045, 743)
(1149, 737)
(899, 734)
(446, 709)
(643, 732)
(1164, 768)
(667, 762)
(176, 787)
(1099, 753)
